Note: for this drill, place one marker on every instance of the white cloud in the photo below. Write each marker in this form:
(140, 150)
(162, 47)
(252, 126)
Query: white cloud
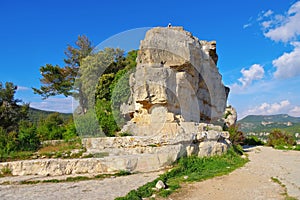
(22, 88)
(295, 111)
(282, 107)
(282, 27)
(268, 13)
(270, 109)
(266, 24)
(288, 65)
(64, 105)
(255, 72)
(247, 25)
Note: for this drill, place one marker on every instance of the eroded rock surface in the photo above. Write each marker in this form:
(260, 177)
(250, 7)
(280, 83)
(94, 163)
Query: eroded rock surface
(176, 80)
(176, 74)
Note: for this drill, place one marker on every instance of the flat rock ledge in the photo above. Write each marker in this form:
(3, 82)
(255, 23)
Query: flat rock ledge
(130, 153)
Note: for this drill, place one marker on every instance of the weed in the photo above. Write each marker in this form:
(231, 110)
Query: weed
(124, 134)
(77, 178)
(6, 171)
(287, 197)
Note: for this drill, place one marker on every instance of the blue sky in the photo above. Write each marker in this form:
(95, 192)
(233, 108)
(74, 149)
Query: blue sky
(258, 43)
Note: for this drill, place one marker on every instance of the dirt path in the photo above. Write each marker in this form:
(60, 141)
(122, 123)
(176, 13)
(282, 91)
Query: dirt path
(253, 181)
(106, 189)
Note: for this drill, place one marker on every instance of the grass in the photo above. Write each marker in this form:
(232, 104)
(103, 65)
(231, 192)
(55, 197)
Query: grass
(5, 171)
(62, 146)
(195, 168)
(96, 155)
(60, 150)
(287, 197)
(16, 155)
(288, 147)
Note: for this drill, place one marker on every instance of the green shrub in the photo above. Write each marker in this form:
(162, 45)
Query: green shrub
(87, 124)
(280, 138)
(70, 132)
(27, 137)
(236, 137)
(253, 140)
(51, 128)
(106, 118)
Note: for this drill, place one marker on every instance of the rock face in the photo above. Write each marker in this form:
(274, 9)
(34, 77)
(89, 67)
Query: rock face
(176, 80)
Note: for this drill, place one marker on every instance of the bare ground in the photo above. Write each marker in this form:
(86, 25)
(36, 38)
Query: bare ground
(253, 181)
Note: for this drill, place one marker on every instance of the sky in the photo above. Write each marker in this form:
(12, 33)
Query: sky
(258, 43)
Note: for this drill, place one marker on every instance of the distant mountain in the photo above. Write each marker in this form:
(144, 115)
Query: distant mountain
(266, 123)
(35, 114)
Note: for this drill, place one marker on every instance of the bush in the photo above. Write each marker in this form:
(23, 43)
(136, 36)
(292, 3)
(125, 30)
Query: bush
(8, 142)
(27, 137)
(106, 118)
(51, 128)
(253, 140)
(87, 125)
(236, 137)
(279, 138)
(70, 132)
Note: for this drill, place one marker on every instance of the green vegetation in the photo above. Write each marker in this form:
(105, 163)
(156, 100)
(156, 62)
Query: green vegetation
(35, 115)
(61, 80)
(113, 90)
(16, 133)
(194, 168)
(105, 72)
(287, 197)
(5, 171)
(267, 123)
(237, 138)
(253, 140)
(280, 138)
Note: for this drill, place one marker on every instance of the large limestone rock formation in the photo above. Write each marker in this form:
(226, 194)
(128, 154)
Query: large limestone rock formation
(176, 95)
(176, 80)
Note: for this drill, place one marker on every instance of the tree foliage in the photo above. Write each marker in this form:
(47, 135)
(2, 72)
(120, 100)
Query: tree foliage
(60, 80)
(16, 134)
(96, 65)
(27, 137)
(11, 113)
(51, 128)
(113, 90)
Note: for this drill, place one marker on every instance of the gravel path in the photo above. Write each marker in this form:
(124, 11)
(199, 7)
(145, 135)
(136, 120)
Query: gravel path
(253, 181)
(106, 189)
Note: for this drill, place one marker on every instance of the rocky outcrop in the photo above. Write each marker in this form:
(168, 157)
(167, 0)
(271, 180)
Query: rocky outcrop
(177, 96)
(176, 80)
(177, 92)
(230, 116)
